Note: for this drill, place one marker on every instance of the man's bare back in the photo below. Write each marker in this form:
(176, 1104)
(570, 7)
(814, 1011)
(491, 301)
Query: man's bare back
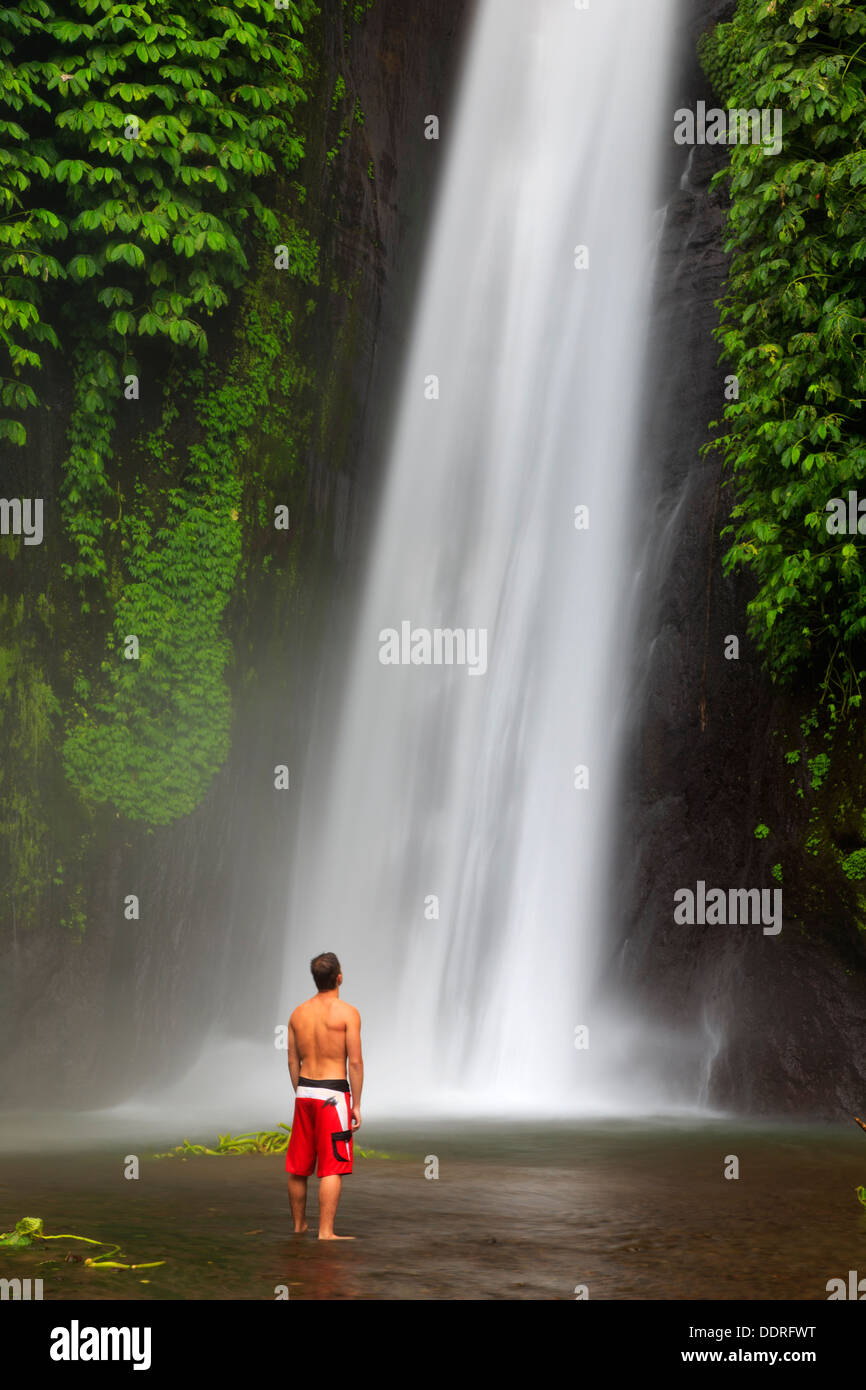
(326, 1032)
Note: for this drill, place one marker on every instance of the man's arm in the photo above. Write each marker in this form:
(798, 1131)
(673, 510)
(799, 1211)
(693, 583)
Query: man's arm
(356, 1063)
(294, 1059)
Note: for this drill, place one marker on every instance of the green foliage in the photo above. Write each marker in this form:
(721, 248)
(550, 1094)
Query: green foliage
(721, 52)
(133, 141)
(137, 171)
(792, 326)
(761, 832)
(818, 767)
(29, 1230)
(854, 866)
(303, 253)
(265, 1141)
(357, 8)
(156, 729)
(776, 871)
(335, 148)
(76, 918)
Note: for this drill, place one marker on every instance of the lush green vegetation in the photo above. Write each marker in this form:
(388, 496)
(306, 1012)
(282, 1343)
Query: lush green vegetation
(793, 324)
(139, 147)
(148, 734)
(134, 138)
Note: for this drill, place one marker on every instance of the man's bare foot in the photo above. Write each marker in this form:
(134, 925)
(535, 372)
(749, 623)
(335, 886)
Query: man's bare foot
(299, 1230)
(332, 1236)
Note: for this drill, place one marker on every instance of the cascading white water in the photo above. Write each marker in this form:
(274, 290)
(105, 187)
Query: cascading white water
(438, 781)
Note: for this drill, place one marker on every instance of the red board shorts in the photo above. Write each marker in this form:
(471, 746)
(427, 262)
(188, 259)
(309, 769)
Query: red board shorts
(321, 1129)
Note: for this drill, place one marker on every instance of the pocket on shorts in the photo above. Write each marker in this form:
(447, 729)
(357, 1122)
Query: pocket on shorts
(344, 1136)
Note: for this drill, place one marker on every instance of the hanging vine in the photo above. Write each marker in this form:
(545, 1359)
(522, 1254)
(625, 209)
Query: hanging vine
(793, 326)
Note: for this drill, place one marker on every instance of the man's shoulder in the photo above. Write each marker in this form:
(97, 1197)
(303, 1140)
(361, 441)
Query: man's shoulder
(300, 1009)
(350, 1010)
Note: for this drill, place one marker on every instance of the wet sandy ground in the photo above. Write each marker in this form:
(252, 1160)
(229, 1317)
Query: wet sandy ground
(632, 1211)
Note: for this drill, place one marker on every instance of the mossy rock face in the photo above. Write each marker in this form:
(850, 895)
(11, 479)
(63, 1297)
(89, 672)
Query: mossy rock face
(43, 829)
(824, 852)
(156, 727)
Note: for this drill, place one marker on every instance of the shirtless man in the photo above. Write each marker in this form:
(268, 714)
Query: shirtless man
(324, 1034)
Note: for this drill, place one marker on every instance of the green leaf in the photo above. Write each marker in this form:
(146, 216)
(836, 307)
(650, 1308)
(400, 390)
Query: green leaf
(125, 251)
(14, 431)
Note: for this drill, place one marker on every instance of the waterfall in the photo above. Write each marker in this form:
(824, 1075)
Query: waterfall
(450, 789)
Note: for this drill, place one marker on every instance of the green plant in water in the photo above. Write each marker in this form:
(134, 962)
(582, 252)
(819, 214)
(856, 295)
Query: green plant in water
(861, 1195)
(861, 1191)
(265, 1141)
(29, 1230)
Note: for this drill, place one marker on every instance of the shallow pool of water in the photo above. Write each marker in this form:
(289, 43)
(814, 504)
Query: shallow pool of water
(632, 1210)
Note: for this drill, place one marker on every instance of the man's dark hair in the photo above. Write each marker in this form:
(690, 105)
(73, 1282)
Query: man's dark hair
(325, 970)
